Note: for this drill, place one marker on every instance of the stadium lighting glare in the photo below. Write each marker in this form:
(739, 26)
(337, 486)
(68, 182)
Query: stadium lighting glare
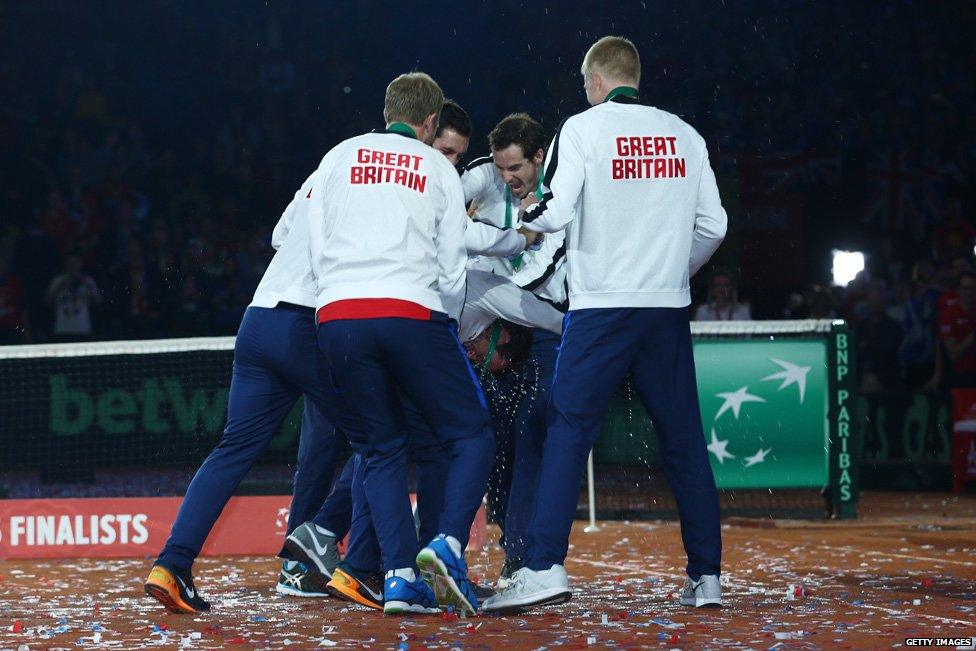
(846, 265)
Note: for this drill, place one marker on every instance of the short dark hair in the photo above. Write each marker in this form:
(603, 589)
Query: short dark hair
(516, 350)
(518, 129)
(455, 118)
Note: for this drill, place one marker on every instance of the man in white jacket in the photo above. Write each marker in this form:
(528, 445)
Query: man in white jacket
(387, 248)
(495, 185)
(633, 189)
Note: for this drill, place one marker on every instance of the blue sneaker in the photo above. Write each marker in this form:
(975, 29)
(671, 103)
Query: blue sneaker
(442, 565)
(403, 596)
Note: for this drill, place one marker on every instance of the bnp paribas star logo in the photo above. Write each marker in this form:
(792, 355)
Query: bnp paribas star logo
(741, 401)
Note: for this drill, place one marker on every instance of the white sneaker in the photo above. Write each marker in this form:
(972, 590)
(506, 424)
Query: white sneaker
(706, 591)
(529, 588)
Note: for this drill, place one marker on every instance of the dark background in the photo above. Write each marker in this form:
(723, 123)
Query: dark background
(160, 141)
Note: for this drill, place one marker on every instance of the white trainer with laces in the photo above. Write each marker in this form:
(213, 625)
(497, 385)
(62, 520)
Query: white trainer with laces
(706, 591)
(529, 589)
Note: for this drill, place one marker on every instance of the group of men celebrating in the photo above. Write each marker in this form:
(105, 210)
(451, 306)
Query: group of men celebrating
(398, 286)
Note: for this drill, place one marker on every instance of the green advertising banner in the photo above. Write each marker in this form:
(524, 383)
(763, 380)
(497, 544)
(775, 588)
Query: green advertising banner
(70, 415)
(764, 410)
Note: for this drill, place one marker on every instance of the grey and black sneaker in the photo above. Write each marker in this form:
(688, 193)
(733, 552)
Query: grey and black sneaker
(706, 591)
(511, 566)
(316, 550)
(300, 581)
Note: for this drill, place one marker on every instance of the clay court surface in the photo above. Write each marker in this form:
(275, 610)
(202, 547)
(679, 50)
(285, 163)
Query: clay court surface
(906, 568)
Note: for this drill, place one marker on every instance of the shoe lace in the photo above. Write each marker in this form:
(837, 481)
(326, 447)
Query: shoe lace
(518, 579)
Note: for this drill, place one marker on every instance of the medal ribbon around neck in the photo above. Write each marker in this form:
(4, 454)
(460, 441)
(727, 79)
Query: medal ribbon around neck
(517, 262)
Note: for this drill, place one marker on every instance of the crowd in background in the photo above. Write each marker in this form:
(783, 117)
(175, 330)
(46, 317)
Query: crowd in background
(139, 194)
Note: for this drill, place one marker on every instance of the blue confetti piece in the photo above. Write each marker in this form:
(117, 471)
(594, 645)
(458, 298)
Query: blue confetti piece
(259, 618)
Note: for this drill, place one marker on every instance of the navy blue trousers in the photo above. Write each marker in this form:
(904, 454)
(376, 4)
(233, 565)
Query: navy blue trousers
(374, 361)
(530, 434)
(599, 347)
(315, 469)
(346, 510)
(336, 511)
(276, 359)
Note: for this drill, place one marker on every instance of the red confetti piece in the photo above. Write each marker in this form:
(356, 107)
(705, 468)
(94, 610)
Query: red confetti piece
(448, 616)
(17, 627)
(926, 582)
(675, 638)
(236, 640)
(618, 578)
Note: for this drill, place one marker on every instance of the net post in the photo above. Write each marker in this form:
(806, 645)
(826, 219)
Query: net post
(844, 488)
(591, 495)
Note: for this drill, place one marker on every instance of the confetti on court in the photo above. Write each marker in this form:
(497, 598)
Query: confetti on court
(797, 585)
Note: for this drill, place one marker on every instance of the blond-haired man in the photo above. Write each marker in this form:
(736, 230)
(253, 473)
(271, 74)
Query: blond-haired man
(633, 188)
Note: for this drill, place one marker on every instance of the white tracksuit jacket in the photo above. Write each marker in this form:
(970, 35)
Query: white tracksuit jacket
(387, 221)
(541, 271)
(633, 188)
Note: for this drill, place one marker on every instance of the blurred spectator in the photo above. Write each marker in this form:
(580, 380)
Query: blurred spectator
(72, 294)
(916, 353)
(14, 323)
(957, 328)
(877, 337)
(899, 302)
(956, 235)
(723, 301)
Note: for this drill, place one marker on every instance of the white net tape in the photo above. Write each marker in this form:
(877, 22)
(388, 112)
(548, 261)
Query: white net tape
(745, 328)
(93, 348)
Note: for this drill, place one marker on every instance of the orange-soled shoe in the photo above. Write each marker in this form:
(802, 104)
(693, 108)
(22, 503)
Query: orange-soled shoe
(174, 589)
(364, 589)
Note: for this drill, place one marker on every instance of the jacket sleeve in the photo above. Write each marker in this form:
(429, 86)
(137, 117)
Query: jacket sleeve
(564, 178)
(476, 178)
(485, 239)
(316, 218)
(711, 221)
(283, 227)
(504, 299)
(449, 240)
